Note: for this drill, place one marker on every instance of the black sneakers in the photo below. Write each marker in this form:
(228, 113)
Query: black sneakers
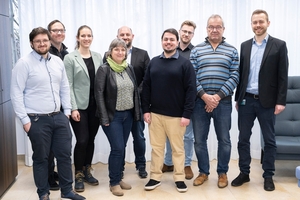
(142, 172)
(240, 179)
(181, 186)
(152, 184)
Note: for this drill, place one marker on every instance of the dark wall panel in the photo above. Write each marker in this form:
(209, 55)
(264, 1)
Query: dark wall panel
(5, 58)
(8, 147)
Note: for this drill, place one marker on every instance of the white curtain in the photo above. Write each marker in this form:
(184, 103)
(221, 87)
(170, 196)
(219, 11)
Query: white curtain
(148, 19)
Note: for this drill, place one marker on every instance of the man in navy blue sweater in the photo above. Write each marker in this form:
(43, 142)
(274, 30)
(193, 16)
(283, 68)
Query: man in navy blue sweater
(168, 98)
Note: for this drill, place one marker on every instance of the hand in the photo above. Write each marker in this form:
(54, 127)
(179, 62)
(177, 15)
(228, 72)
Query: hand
(208, 109)
(212, 101)
(147, 118)
(75, 115)
(184, 121)
(237, 106)
(26, 127)
(279, 109)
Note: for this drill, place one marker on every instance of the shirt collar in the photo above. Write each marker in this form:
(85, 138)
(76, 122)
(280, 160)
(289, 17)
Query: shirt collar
(129, 51)
(175, 55)
(207, 40)
(189, 47)
(39, 57)
(265, 40)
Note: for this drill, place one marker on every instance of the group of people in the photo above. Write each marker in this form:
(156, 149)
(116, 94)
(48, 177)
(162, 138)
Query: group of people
(176, 93)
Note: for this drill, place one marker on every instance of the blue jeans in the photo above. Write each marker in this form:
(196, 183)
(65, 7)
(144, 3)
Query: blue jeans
(117, 134)
(222, 123)
(139, 144)
(266, 118)
(188, 147)
(51, 133)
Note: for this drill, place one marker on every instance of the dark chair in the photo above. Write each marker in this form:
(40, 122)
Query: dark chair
(287, 124)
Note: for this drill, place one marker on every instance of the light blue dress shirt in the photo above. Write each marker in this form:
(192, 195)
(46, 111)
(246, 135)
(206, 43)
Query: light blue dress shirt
(39, 85)
(257, 53)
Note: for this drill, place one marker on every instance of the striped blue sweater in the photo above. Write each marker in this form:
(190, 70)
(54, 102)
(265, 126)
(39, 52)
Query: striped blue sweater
(217, 71)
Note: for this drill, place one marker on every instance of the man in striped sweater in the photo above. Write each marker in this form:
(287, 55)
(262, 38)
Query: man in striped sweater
(216, 66)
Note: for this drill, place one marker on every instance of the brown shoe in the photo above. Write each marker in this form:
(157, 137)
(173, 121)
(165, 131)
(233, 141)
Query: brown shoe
(222, 181)
(116, 190)
(125, 186)
(200, 179)
(167, 168)
(188, 172)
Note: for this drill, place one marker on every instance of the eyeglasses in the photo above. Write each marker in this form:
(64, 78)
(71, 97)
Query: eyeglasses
(40, 41)
(58, 30)
(218, 28)
(187, 32)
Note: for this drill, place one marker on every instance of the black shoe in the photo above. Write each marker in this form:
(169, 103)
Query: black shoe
(56, 177)
(181, 186)
(52, 183)
(152, 184)
(241, 179)
(269, 184)
(72, 195)
(142, 172)
(79, 186)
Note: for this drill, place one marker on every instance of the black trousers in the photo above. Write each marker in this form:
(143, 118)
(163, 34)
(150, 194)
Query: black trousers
(85, 131)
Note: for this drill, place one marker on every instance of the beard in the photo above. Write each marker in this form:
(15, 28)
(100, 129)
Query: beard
(128, 45)
(260, 31)
(185, 41)
(42, 52)
(168, 51)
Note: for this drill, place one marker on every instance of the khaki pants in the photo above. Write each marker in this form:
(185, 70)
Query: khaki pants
(160, 128)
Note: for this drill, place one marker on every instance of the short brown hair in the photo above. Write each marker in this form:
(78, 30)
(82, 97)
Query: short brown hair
(259, 11)
(188, 23)
(53, 22)
(37, 31)
(172, 31)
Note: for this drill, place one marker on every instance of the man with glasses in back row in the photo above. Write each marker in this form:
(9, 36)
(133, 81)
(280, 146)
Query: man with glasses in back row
(184, 48)
(217, 75)
(57, 33)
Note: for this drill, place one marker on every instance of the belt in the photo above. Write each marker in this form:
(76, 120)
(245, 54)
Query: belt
(43, 115)
(254, 96)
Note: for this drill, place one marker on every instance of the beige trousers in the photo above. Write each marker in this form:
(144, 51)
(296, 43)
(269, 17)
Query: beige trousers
(161, 127)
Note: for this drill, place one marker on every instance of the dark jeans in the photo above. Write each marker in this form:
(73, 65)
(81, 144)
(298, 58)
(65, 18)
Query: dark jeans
(222, 123)
(51, 133)
(139, 144)
(117, 134)
(85, 131)
(266, 118)
(51, 164)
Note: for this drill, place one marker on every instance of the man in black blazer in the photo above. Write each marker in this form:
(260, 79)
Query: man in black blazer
(261, 93)
(139, 59)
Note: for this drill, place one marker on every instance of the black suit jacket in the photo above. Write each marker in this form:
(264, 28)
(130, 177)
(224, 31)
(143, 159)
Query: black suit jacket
(273, 74)
(139, 60)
